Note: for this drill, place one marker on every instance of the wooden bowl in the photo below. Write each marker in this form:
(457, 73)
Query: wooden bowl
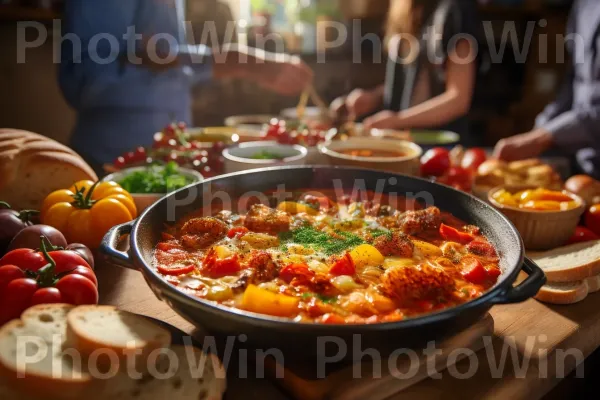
(541, 230)
(407, 164)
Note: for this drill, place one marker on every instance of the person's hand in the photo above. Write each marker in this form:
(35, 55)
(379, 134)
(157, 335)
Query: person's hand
(383, 120)
(361, 102)
(286, 75)
(526, 145)
(338, 108)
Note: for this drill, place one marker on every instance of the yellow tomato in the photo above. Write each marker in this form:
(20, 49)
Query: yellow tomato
(85, 218)
(58, 196)
(57, 216)
(110, 192)
(85, 185)
(80, 228)
(104, 187)
(107, 213)
(127, 202)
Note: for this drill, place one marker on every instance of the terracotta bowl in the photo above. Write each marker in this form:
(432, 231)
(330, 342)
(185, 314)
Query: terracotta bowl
(407, 164)
(541, 230)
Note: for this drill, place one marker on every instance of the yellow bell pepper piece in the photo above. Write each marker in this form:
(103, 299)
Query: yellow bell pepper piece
(366, 255)
(292, 207)
(263, 301)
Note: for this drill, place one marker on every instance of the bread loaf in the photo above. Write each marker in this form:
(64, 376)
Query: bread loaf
(32, 166)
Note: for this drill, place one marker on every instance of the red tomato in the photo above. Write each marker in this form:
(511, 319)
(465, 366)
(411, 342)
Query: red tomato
(237, 232)
(459, 178)
(67, 261)
(77, 289)
(473, 271)
(582, 234)
(49, 295)
(435, 162)
(175, 270)
(9, 273)
(343, 266)
(454, 235)
(298, 271)
(592, 219)
(220, 267)
(16, 298)
(473, 158)
(26, 259)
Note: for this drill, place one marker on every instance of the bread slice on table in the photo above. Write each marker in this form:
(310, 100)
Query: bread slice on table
(186, 374)
(54, 374)
(568, 292)
(570, 263)
(32, 166)
(106, 327)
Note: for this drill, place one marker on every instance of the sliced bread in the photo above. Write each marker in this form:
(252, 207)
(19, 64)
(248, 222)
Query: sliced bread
(571, 263)
(563, 293)
(106, 327)
(568, 292)
(35, 357)
(185, 374)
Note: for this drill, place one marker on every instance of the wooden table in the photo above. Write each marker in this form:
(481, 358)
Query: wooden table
(535, 329)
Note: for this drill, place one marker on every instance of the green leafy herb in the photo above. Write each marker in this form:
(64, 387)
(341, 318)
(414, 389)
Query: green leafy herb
(334, 243)
(323, 298)
(375, 233)
(156, 179)
(267, 155)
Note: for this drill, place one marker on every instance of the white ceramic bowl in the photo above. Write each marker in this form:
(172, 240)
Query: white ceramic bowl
(240, 158)
(406, 164)
(144, 200)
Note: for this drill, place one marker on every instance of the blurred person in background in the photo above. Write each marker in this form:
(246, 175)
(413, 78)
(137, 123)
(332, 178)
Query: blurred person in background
(429, 81)
(571, 123)
(121, 104)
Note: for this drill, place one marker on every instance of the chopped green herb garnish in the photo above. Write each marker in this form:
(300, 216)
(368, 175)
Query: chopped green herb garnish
(156, 179)
(267, 155)
(375, 233)
(323, 298)
(330, 244)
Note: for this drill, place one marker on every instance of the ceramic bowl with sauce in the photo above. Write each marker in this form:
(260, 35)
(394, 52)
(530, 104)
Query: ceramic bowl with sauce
(253, 155)
(399, 156)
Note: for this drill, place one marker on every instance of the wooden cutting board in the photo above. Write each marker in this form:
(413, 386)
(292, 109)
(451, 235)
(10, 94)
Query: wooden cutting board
(357, 382)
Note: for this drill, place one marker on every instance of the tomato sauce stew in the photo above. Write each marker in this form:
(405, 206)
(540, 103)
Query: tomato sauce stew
(316, 260)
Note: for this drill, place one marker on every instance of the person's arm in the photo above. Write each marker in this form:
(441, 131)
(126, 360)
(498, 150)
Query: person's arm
(453, 103)
(80, 68)
(564, 98)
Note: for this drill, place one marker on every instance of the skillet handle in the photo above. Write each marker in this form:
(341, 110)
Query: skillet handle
(526, 289)
(108, 247)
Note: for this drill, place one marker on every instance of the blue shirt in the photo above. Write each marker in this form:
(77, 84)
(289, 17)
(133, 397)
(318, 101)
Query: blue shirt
(574, 117)
(121, 105)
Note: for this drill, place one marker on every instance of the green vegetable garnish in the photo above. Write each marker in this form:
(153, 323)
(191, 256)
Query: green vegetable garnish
(156, 179)
(328, 243)
(267, 155)
(323, 298)
(375, 233)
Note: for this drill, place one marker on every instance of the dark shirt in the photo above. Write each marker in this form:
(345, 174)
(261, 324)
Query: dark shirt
(574, 117)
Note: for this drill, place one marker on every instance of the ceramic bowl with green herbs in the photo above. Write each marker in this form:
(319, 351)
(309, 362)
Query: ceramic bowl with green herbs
(148, 184)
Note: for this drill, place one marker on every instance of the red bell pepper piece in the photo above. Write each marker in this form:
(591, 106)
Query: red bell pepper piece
(343, 266)
(237, 232)
(297, 271)
(454, 235)
(219, 267)
(474, 271)
(175, 270)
